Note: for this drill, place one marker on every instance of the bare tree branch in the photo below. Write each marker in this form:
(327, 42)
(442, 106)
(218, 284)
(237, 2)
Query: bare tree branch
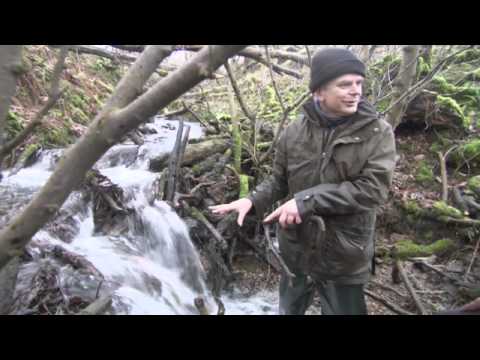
(53, 95)
(110, 125)
(289, 109)
(419, 86)
(84, 49)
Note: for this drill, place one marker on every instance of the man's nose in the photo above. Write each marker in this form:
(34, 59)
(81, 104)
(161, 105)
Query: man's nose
(356, 89)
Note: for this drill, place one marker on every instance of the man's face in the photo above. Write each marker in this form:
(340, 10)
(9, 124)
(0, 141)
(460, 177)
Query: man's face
(340, 97)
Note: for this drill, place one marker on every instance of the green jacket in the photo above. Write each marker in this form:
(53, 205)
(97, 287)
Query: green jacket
(338, 176)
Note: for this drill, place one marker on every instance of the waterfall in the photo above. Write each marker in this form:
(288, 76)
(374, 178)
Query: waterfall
(151, 267)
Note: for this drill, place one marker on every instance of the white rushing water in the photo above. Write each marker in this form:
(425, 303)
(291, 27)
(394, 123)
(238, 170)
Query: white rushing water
(156, 270)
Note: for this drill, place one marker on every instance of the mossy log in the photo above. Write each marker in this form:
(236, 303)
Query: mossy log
(193, 154)
(439, 211)
(407, 249)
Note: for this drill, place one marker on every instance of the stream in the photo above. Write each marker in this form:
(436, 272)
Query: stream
(153, 268)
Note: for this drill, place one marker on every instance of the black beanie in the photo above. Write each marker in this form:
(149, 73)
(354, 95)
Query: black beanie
(328, 64)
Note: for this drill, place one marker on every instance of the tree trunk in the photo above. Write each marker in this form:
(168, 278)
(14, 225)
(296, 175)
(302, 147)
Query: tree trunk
(110, 125)
(8, 279)
(10, 63)
(406, 76)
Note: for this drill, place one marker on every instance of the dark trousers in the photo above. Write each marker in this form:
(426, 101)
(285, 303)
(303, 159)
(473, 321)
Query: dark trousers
(335, 299)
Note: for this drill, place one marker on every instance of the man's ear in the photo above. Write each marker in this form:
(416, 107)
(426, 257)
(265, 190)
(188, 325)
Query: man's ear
(318, 95)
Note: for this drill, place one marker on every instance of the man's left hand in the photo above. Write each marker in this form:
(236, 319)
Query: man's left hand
(287, 214)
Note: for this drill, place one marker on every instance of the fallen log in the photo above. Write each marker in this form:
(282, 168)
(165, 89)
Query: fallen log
(194, 154)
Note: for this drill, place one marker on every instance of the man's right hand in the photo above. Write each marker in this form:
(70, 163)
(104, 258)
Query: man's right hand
(242, 206)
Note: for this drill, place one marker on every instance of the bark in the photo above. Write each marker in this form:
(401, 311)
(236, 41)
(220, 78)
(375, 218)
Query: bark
(408, 71)
(251, 53)
(10, 62)
(8, 279)
(110, 125)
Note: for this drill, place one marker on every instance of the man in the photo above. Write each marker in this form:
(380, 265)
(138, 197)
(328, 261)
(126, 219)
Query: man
(336, 165)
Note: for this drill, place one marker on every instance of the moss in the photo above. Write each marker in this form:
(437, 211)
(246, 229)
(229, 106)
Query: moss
(428, 235)
(436, 147)
(29, 150)
(471, 150)
(243, 186)
(468, 55)
(407, 248)
(196, 169)
(80, 117)
(412, 208)
(237, 147)
(55, 137)
(440, 208)
(473, 184)
(451, 104)
(14, 124)
(423, 67)
(424, 173)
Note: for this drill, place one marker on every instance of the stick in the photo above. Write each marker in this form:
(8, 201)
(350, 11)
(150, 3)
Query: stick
(409, 287)
(387, 304)
(172, 165)
(472, 261)
(274, 251)
(443, 171)
(386, 287)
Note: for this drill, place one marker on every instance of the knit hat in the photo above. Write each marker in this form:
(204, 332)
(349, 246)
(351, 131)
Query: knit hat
(328, 64)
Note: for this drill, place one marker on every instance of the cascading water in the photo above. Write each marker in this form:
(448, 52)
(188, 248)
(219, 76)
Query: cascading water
(152, 267)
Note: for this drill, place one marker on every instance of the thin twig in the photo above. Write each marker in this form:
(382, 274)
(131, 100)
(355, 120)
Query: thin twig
(474, 255)
(386, 287)
(309, 56)
(280, 126)
(443, 172)
(274, 84)
(274, 251)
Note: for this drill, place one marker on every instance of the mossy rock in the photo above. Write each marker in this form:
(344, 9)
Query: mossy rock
(407, 248)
